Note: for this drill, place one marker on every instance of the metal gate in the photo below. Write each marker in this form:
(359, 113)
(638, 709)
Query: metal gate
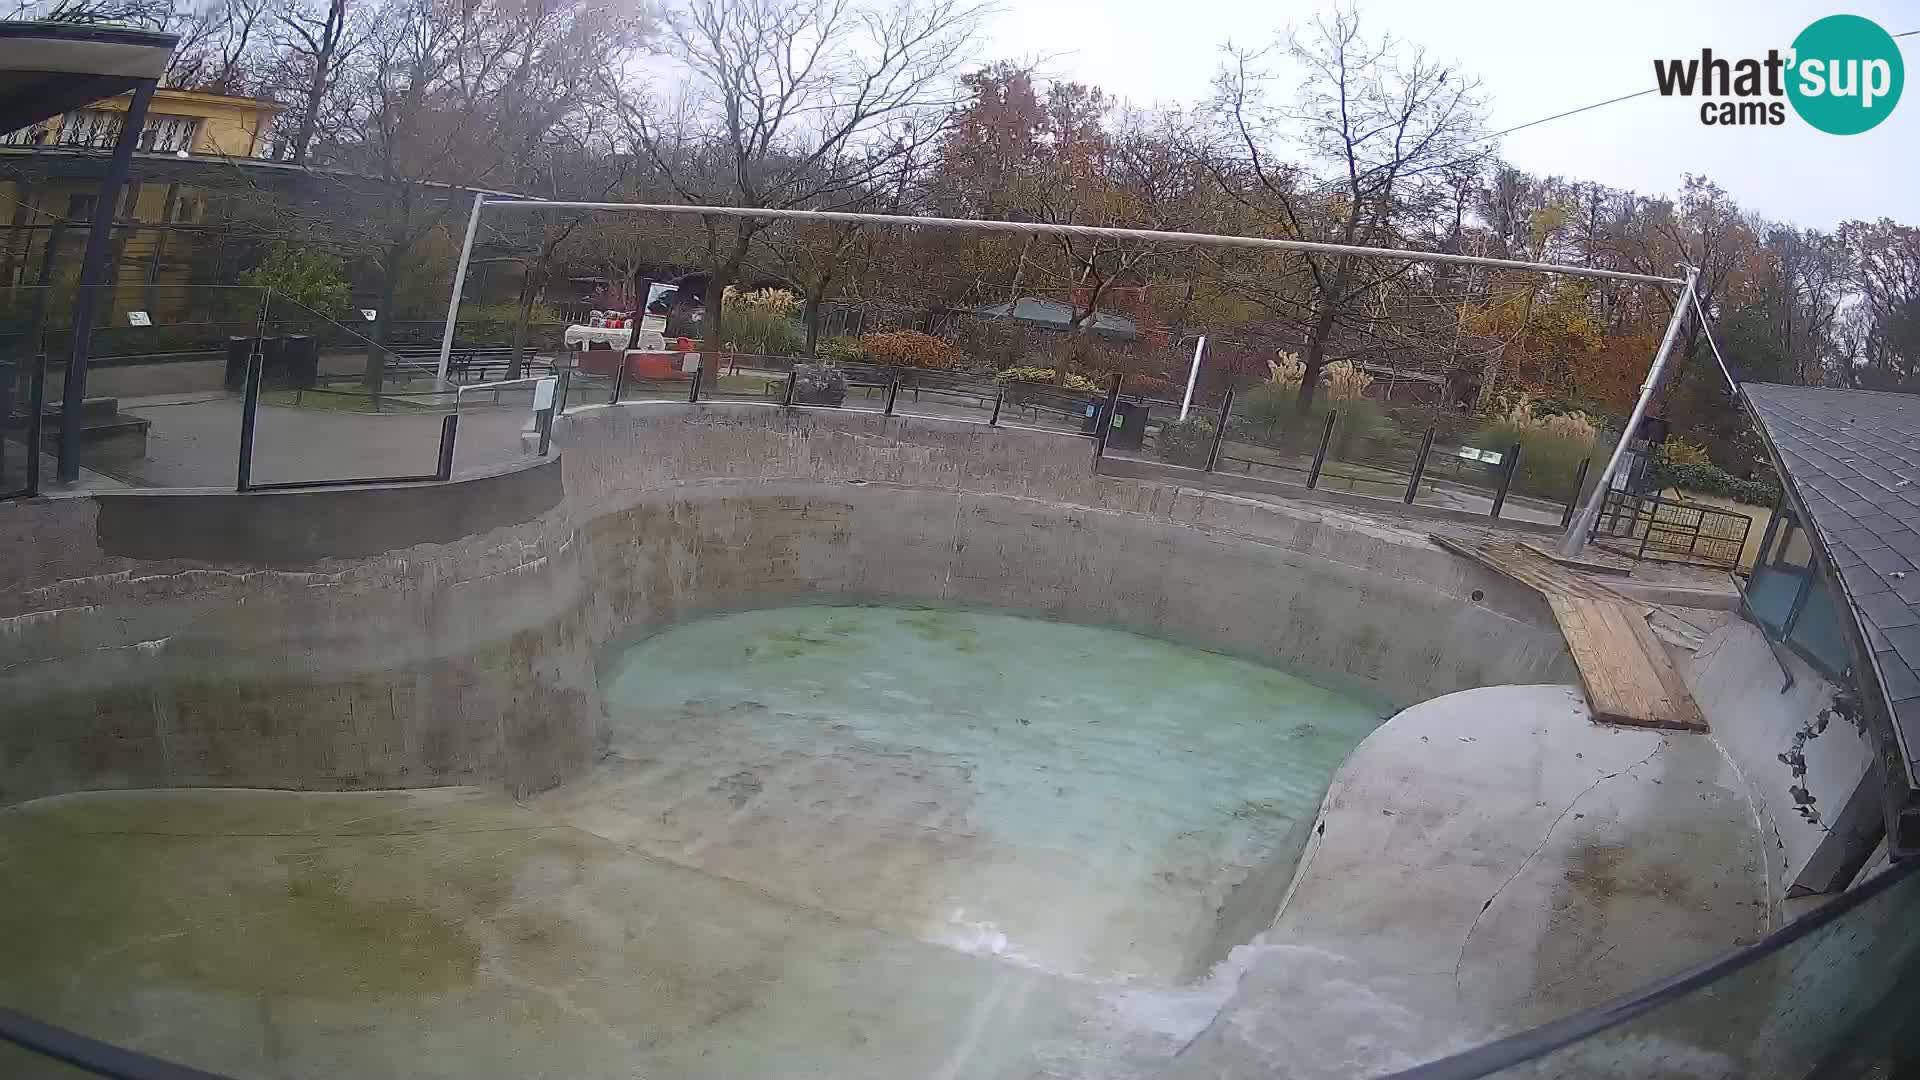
(1660, 529)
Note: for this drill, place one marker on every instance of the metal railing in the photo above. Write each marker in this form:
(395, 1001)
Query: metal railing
(1659, 529)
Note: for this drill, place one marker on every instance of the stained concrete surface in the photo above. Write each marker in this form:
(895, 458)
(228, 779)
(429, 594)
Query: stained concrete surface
(1488, 861)
(452, 934)
(1082, 800)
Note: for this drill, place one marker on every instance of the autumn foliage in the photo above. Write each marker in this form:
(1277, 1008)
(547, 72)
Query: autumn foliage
(912, 349)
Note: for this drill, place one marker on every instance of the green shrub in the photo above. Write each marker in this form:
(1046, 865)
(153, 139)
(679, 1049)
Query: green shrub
(1713, 480)
(1549, 460)
(819, 384)
(841, 350)
(762, 332)
(1264, 416)
(306, 288)
(492, 324)
(1185, 442)
(1045, 375)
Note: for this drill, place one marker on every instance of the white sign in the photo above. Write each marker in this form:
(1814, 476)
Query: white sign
(369, 314)
(1469, 453)
(138, 318)
(543, 393)
(690, 363)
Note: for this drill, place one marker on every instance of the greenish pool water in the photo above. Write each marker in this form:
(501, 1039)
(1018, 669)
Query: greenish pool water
(1083, 800)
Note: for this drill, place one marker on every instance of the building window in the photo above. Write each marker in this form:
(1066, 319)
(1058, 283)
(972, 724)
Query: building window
(1791, 597)
(80, 207)
(168, 134)
(92, 129)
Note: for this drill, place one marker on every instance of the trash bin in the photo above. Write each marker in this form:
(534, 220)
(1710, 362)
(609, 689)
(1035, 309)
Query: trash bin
(273, 360)
(238, 350)
(300, 361)
(1127, 428)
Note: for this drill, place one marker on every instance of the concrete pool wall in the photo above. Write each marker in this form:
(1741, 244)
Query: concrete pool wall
(444, 634)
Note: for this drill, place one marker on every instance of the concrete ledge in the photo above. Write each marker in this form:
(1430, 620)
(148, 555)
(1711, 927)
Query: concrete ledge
(301, 528)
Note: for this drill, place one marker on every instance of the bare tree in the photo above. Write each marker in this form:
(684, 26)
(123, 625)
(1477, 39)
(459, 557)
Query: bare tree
(314, 42)
(1379, 128)
(794, 104)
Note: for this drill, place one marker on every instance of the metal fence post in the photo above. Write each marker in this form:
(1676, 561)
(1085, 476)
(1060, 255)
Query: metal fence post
(1419, 467)
(1573, 501)
(994, 420)
(793, 379)
(1506, 480)
(693, 388)
(893, 391)
(1104, 419)
(449, 428)
(1320, 454)
(619, 382)
(1220, 430)
(249, 408)
(545, 424)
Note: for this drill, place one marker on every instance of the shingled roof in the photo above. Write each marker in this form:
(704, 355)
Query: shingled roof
(1851, 462)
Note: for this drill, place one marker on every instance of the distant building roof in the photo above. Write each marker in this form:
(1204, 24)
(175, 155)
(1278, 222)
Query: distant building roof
(1851, 463)
(1058, 316)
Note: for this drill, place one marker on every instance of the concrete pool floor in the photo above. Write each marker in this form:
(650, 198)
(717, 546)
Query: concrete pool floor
(831, 842)
(882, 842)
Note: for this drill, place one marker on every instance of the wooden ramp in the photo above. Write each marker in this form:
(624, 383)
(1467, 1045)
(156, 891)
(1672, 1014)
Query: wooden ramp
(1628, 676)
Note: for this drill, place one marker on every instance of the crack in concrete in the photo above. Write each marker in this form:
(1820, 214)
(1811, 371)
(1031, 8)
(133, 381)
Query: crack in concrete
(1461, 960)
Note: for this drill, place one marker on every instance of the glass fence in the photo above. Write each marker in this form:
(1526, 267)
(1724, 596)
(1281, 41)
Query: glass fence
(239, 387)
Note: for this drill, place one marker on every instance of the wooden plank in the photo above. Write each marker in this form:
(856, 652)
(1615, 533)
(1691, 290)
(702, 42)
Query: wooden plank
(1625, 670)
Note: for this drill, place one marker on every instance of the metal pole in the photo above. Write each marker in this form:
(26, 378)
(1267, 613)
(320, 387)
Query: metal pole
(93, 278)
(1220, 430)
(693, 388)
(793, 379)
(1193, 375)
(1320, 455)
(1576, 539)
(459, 284)
(449, 429)
(37, 348)
(620, 382)
(1104, 419)
(249, 409)
(1573, 501)
(994, 420)
(1419, 467)
(1093, 232)
(893, 391)
(1506, 480)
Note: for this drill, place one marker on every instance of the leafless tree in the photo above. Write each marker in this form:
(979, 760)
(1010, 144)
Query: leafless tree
(314, 41)
(794, 104)
(1378, 128)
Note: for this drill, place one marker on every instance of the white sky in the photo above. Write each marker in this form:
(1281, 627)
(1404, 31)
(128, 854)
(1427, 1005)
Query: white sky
(1536, 58)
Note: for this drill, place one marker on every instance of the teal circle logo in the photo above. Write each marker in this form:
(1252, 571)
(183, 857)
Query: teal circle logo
(1846, 76)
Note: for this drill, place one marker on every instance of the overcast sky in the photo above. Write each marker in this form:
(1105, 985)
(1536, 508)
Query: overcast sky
(1535, 59)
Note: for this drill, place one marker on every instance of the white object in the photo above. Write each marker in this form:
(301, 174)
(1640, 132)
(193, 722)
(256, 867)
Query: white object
(369, 314)
(543, 393)
(579, 335)
(138, 318)
(690, 363)
(1193, 374)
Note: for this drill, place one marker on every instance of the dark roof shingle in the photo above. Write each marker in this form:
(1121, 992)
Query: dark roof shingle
(1853, 458)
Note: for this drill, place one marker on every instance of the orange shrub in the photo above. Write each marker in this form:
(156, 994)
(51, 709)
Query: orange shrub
(911, 349)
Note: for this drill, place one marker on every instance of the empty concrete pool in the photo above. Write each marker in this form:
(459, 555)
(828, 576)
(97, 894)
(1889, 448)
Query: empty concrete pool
(749, 742)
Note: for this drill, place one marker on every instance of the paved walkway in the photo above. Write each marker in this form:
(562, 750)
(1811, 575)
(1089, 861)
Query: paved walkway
(194, 442)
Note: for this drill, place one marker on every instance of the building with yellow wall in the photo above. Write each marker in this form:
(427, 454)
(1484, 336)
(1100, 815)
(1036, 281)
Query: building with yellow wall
(55, 197)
